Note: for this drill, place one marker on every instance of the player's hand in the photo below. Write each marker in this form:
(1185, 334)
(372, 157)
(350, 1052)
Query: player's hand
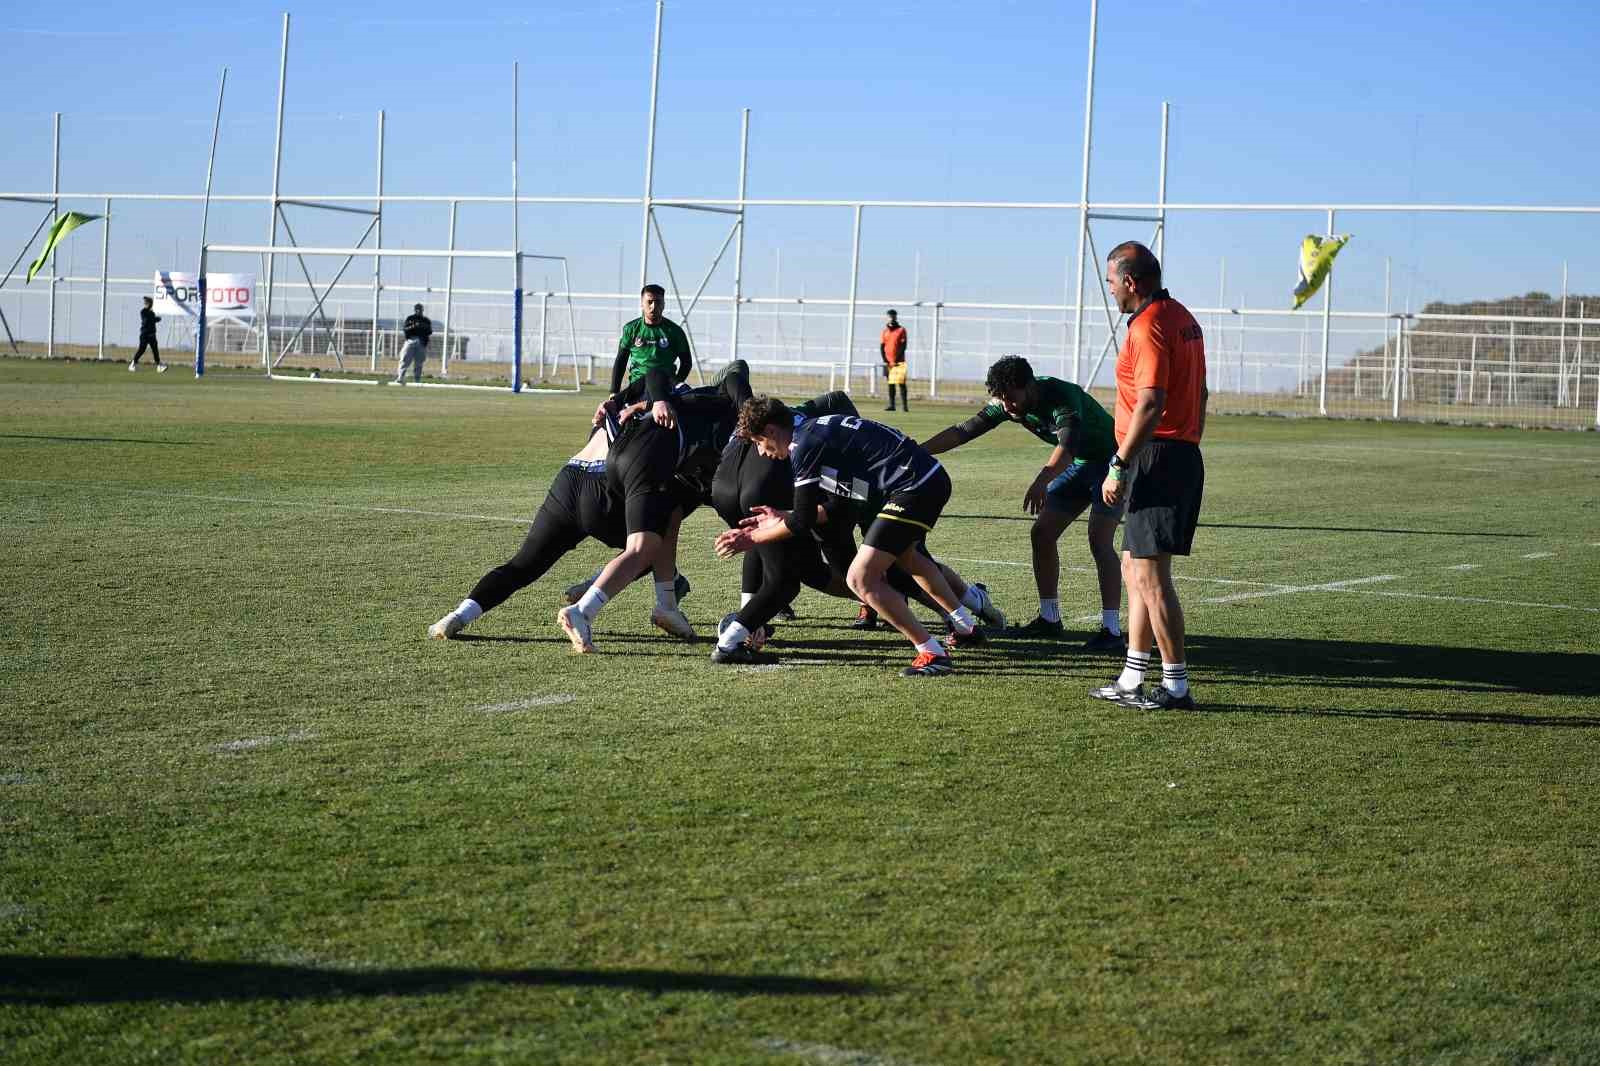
(1111, 491)
(662, 413)
(1033, 499)
(600, 412)
(761, 510)
(629, 411)
(733, 541)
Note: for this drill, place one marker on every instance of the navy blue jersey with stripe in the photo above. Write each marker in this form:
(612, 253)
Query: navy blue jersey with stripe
(858, 459)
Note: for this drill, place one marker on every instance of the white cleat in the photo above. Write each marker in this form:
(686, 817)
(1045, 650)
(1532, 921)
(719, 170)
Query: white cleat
(673, 622)
(133, 367)
(162, 369)
(576, 627)
(988, 613)
(446, 627)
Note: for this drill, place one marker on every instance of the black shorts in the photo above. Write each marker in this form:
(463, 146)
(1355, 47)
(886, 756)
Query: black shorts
(1169, 478)
(580, 498)
(906, 517)
(639, 469)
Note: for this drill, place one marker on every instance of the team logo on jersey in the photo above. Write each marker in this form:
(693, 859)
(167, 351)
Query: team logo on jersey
(638, 342)
(661, 342)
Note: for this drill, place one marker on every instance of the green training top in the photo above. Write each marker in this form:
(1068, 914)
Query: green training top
(644, 348)
(1063, 414)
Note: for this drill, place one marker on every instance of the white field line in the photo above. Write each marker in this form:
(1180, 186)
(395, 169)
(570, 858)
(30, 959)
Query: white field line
(826, 1054)
(1289, 590)
(268, 502)
(1469, 599)
(250, 743)
(532, 701)
(1443, 451)
(1091, 570)
(17, 779)
(1463, 566)
(1539, 555)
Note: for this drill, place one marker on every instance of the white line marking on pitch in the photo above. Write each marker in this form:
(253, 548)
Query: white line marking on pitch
(250, 743)
(1442, 451)
(1463, 566)
(532, 701)
(824, 1053)
(1539, 555)
(1091, 570)
(1468, 599)
(16, 779)
(1286, 590)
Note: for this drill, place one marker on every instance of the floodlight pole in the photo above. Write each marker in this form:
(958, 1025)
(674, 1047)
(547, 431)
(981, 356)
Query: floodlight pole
(738, 251)
(516, 247)
(449, 292)
(377, 260)
(205, 221)
(650, 153)
(55, 213)
(1327, 322)
(1083, 199)
(850, 316)
(272, 208)
(105, 272)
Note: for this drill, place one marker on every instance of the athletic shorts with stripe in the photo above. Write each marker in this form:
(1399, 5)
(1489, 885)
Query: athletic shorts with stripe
(906, 517)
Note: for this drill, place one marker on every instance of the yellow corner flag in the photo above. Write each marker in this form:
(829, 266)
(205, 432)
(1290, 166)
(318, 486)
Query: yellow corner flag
(64, 225)
(1316, 260)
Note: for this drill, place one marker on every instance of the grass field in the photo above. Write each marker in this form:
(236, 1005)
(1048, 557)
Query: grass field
(248, 813)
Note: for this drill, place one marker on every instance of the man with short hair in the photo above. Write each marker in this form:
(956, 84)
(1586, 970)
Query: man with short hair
(872, 463)
(1081, 435)
(654, 347)
(892, 347)
(1157, 469)
(147, 337)
(418, 329)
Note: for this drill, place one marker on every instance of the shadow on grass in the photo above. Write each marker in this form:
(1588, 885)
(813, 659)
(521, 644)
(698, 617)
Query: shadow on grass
(1292, 529)
(92, 440)
(70, 981)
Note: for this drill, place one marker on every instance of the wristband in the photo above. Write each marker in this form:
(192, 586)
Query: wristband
(1115, 473)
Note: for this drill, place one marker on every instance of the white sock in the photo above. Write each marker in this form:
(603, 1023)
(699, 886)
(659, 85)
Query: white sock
(971, 599)
(1050, 610)
(1110, 619)
(744, 598)
(666, 596)
(1133, 668)
(1175, 678)
(931, 646)
(964, 621)
(735, 635)
(469, 611)
(592, 601)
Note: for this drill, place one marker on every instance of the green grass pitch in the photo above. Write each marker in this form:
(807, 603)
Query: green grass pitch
(249, 813)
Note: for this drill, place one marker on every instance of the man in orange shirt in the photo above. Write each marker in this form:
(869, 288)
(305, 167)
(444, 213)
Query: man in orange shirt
(892, 346)
(1160, 416)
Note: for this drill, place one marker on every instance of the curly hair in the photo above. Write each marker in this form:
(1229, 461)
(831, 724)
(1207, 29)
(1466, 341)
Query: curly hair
(759, 412)
(1008, 372)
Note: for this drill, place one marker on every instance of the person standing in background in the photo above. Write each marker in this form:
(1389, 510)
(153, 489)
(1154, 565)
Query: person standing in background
(147, 337)
(892, 347)
(418, 330)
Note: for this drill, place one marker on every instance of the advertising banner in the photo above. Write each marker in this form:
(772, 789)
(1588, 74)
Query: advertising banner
(228, 295)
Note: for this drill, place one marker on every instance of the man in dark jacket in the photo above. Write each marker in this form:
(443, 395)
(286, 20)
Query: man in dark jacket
(418, 329)
(147, 337)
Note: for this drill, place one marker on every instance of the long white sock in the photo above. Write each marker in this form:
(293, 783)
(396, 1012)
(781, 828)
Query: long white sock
(744, 598)
(592, 601)
(469, 611)
(666, 596)
(1133, 668)
(931, 646)
(1050, 610)
(1111, 619)
(963, 619)
(1175, 678)
(971, 599)
(733, 636)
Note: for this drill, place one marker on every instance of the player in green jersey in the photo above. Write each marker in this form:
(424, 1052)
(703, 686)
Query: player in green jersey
(652, 347)
(1081, 435)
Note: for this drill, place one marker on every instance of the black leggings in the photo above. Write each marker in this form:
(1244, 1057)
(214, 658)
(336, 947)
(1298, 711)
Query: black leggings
(155, 349)
(576, 509)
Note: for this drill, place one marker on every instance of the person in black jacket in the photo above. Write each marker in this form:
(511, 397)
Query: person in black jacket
(415, 351)
(147, 337)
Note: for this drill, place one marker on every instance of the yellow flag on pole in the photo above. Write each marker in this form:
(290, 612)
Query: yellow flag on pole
(1316, 260)
(63, 226)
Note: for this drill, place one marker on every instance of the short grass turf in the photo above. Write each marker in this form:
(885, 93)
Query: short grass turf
(248, 813)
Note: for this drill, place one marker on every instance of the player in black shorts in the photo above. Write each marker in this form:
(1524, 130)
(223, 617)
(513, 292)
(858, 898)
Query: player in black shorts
(869, 462)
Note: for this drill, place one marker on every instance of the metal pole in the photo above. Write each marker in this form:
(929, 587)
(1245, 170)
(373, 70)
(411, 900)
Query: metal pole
(55, 213)
(205, 221)
(933, 375)
(1399, 357)
(1511, 362)
(1561, 352)
(738, 251)
(850, 316)
(105, 276)
(516, 241)
(272, 209)
(377, 260)
(1161, 192)
(449, 292)
(1327, 327)
(544, 321)
(1472, 370)
(650, 153)
(1083, 200)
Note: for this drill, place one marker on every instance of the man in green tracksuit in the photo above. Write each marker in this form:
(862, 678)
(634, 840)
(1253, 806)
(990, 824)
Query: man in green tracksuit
(651, 347)
(1081, 436)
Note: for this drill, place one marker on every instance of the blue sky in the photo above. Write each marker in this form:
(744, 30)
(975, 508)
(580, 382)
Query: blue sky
(1273, 102)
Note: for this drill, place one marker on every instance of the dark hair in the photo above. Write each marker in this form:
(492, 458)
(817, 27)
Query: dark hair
(1134, 260)
(1008, 372)
(893, 313)
(416, 307)
(759, 412)
(655, 290)
(149, 300)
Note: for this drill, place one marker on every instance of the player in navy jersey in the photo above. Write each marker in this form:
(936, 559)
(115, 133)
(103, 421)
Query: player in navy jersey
(874, 466)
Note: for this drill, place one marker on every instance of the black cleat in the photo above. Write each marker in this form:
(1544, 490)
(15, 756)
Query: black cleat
(681, 586)
(1038, 629)
(866, 618)
(786, 612)
(926, 664)
(1106, 642)
(975, 639)
(1115, 693)
(738, 655)
(1163, 699)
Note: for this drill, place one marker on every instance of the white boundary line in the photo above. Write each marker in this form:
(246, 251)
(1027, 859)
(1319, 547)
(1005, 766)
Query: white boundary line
(1469, 599)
